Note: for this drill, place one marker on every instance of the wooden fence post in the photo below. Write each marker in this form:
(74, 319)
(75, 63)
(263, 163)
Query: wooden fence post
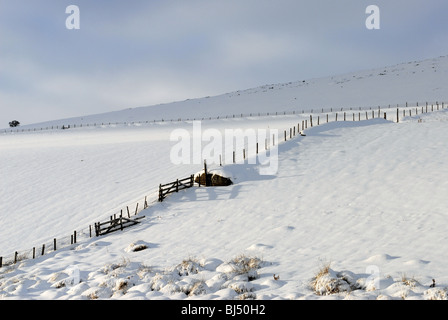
(43, 249)
(206, 174)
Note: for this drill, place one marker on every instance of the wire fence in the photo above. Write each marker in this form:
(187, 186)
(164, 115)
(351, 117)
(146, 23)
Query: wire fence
(327, 110)
(312, 119)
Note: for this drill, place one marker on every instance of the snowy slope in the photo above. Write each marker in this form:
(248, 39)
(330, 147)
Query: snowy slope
(417, 81)
(366, 198)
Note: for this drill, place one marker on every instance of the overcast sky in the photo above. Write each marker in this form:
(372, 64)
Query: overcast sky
(138, 53)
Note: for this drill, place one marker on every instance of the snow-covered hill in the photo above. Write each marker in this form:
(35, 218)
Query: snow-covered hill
(417, 81)
(363, 200)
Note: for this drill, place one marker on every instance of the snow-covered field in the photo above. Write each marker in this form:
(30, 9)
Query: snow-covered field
(364, 200)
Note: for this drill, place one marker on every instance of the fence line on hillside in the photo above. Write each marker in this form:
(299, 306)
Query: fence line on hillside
(114, 224)
(95, 229)
(327, 110)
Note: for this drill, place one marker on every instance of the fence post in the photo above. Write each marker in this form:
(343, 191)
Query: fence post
(207, 184)
(54, 244)
(160, 193)
(43, 249)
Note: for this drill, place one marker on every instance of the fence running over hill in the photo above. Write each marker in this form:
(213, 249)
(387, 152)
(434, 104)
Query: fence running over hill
(120, 223)
(432, 105)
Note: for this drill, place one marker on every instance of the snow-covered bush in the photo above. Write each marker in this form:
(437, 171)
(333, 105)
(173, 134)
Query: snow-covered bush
(327, 282)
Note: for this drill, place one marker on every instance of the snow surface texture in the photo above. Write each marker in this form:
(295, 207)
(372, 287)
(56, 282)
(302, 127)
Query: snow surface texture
(356, 210)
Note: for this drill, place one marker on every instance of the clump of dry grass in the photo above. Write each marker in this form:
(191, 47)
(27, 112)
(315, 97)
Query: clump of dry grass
(244, 265)
(327, 282)
(116, 267)
(411, 282)
(188, 266)
(195, 288)
(436, 294)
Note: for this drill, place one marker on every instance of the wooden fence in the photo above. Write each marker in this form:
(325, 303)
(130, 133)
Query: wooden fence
(120, 223)
(98, 229)
(176, 186)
